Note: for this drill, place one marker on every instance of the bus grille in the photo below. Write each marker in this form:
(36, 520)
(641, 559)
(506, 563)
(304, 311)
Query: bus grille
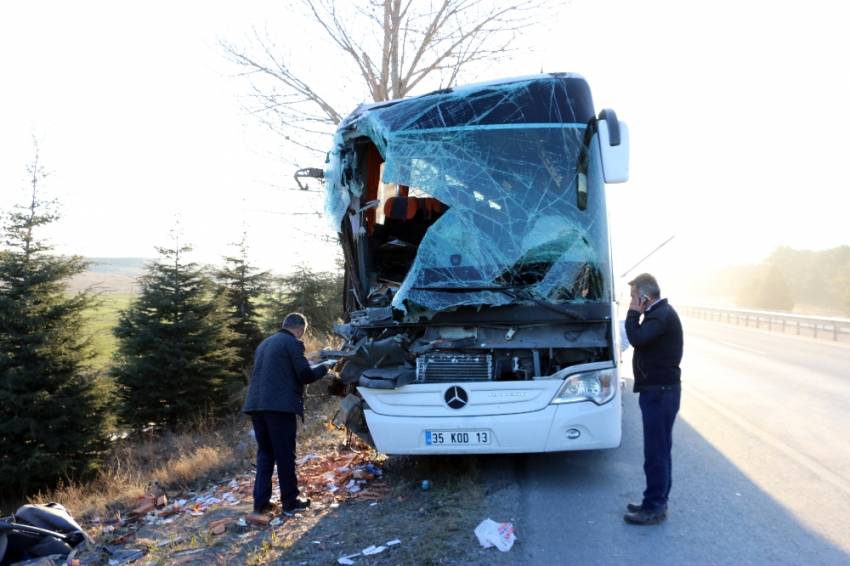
(454, 367)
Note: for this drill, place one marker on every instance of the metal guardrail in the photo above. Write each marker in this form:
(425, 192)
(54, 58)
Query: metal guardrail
(810, 325)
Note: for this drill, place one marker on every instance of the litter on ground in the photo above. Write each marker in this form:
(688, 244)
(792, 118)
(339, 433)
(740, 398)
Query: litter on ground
(490, 533)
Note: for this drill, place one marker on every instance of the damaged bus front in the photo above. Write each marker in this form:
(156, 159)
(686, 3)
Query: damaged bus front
(478, 280)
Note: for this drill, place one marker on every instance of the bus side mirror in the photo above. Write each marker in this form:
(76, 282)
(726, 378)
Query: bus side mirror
(308, 173)
(613, 139)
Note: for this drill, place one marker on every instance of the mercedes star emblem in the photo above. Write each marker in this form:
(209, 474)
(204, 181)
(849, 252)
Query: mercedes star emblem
(456, 397)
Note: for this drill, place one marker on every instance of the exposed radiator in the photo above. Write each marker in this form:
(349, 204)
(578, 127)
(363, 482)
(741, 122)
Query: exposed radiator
(454, 367)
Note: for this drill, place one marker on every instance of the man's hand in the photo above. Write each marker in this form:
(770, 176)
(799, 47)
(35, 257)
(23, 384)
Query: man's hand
(637, 304)
(327, 363)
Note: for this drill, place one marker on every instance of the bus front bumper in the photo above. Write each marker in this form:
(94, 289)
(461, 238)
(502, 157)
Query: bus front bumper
(556, 428)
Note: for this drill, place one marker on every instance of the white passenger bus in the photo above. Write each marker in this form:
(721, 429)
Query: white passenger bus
(479, 299)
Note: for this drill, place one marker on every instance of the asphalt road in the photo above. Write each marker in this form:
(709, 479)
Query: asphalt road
(761, 465)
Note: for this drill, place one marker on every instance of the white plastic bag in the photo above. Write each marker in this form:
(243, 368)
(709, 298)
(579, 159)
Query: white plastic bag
(490, 533)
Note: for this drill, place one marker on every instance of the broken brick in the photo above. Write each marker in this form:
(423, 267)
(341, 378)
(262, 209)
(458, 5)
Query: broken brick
(258, 519)
(145, 499)
(144, 508)
(218, 527)
(170, 510)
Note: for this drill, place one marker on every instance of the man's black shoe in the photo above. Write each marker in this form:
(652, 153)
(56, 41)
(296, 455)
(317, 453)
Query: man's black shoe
(296, 505)
(644, 517)
(634, 508)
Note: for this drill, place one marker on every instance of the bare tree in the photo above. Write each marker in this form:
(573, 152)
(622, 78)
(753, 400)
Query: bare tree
(395, 46)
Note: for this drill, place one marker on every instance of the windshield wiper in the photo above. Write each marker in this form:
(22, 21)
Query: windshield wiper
(523, 293)
(516, 293)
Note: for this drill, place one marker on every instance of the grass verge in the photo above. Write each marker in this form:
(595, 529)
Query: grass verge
(171, 461)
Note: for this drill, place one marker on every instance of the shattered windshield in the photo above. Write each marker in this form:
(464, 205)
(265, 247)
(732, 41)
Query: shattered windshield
(502, 163)
(513, 221)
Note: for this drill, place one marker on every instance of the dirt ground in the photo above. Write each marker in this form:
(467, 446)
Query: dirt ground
(360, 499)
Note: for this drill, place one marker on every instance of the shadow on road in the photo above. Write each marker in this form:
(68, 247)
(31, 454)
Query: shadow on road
(573, 506)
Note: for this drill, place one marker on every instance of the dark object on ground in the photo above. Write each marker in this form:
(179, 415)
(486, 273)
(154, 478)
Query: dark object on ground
(635, 507)
(38, 530)
(643, 517)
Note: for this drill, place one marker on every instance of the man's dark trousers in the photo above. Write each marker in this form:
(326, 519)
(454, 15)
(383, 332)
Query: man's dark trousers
(275, 434)
(658, 408)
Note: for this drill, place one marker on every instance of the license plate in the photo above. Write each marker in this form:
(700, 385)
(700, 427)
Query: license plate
(457, 437)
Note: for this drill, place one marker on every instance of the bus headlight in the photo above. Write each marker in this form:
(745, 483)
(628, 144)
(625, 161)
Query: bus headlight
(596, 386)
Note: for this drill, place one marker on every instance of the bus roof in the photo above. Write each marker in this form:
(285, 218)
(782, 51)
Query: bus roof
(547, 98)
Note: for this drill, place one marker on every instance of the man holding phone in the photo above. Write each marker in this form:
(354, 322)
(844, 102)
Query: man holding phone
(655, 331)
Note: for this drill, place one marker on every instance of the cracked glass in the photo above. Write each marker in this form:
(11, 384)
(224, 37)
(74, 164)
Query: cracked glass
(515, 221)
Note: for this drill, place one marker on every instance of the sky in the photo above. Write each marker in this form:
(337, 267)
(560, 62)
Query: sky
(737, 114)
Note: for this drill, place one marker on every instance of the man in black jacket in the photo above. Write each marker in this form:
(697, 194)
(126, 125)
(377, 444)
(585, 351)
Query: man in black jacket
(275, 396)
(658, 344)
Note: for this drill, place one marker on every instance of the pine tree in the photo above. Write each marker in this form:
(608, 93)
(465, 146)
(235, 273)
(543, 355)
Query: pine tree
(52, 405)
(242, 286)
(174, 360)
(316, 295)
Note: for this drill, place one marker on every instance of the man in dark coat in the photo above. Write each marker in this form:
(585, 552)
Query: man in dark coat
(275, 396)
(658, 344)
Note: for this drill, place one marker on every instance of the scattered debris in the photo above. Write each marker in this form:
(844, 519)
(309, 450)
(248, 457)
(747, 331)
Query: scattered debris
(170, 541)
(490, 533)
(156, 520)
(304, 459)
(258, 519)
(121, 556)
(342, 476)
(219, 527)
(188, 552)
(369, 551)
(145, 507)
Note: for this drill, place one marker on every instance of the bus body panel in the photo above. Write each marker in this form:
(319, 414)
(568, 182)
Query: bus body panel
(544, 430)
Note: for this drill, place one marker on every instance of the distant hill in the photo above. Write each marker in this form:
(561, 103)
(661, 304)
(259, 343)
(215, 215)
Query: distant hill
(111, 275)
(133, 266)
